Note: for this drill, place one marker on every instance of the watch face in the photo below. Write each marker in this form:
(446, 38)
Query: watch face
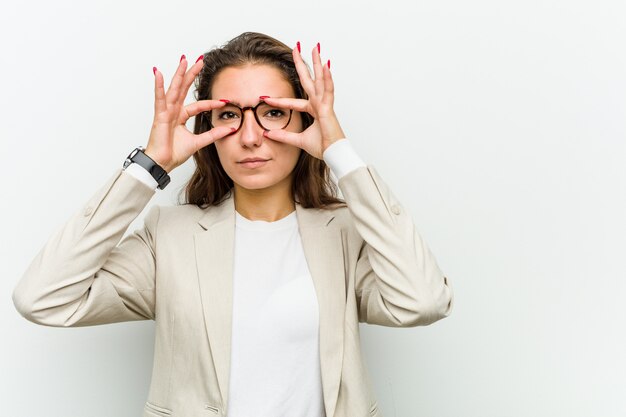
(129, 158)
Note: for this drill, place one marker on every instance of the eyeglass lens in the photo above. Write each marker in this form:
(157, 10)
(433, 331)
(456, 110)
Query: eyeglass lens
(267, 116)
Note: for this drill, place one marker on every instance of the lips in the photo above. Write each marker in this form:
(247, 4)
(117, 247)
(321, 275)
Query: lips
(252, 160)
(253, 164)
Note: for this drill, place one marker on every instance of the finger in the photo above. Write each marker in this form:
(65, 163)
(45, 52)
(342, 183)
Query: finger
(194, 109)
(159, 94)
(285, 136)
(317, 68)
(329, 86)
(303, 73)
(298, 104)
(210, 136)
(189, 77)
(173, 92)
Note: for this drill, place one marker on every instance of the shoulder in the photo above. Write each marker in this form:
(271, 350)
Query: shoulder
(342, 219)
(341, 215)
(183, 211)
(175, 219)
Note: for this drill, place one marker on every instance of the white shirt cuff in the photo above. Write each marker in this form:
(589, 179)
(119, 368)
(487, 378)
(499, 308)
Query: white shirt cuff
(142, 175)
(342, 158)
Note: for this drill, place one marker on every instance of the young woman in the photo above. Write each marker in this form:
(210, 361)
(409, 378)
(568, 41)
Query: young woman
(258, 283)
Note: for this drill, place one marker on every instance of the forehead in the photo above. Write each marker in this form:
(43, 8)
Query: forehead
(245, 84)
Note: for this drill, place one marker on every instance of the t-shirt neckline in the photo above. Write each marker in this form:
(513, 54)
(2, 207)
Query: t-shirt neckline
(287, 222)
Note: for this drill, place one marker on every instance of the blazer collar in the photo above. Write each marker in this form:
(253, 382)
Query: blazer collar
(323, 250)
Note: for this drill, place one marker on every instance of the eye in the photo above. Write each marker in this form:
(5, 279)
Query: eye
(274, 114)
(227, 115)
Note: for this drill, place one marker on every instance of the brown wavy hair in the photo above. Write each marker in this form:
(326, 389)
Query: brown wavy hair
(210, 185)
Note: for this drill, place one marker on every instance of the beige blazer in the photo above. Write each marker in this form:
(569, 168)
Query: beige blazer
(367, 261)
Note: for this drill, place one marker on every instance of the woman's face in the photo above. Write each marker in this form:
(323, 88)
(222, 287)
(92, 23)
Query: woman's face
(243, 86)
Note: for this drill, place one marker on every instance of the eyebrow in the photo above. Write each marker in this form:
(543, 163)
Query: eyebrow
(236, 103)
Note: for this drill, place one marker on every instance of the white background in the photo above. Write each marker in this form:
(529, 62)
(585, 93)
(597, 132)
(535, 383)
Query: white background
(500, 125)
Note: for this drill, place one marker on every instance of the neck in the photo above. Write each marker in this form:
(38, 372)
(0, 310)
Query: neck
(268, 204)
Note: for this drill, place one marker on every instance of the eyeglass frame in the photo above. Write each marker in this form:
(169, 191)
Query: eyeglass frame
(243, 115)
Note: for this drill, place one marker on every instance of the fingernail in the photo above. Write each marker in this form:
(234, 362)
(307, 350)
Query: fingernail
(181, 58)
(265, 133)
(328, 63)
(318, 48)
(199, 58)
(154, 70)
(224, 100)
(298, 44)
(232, 130)
(264, 97)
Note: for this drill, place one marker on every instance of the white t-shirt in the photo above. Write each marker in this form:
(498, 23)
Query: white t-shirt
(275, 362)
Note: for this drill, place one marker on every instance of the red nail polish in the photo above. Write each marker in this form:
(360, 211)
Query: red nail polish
(224, 100)
(154, 70)
(318, 48)
(264, 97)
(181, 58)
(199, 58)
(328, 63)
(298, 44)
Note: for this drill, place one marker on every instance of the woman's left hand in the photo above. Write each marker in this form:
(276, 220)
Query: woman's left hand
(325, 130)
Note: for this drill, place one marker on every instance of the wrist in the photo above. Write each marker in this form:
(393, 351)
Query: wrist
(167, 167)
(332, 134)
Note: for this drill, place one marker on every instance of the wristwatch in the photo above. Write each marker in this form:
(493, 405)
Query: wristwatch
(158, 173)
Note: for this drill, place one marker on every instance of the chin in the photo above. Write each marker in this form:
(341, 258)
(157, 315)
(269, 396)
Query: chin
(257, 182)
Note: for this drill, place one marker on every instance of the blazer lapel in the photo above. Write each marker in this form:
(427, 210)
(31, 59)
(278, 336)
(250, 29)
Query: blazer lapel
(323, 250)
(214, 260)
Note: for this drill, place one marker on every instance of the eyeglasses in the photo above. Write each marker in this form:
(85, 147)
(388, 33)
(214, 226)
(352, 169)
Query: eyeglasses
(268, 117)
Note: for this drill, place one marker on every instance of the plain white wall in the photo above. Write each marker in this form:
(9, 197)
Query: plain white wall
(500, 125)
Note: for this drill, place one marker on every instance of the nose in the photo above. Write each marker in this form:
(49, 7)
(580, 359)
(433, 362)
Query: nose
(251, 134)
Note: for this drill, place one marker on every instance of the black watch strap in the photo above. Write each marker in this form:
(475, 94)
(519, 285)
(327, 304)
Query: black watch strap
(158, 173)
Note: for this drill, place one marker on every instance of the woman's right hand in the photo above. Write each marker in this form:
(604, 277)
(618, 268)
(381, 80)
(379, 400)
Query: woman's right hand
(171, 143)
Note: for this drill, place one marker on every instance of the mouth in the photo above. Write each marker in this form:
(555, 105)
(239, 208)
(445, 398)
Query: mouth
(253, 163)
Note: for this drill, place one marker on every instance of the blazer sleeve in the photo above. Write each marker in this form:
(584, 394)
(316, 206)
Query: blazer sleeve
(81, 276)
(397, 280)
